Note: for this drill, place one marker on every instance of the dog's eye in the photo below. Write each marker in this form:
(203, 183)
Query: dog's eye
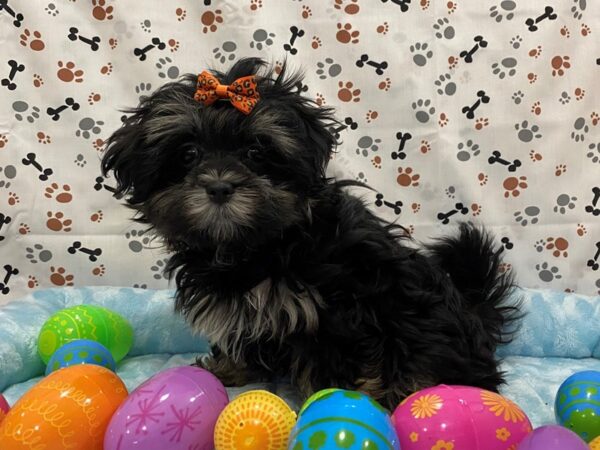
(188, 155)
(255, 154)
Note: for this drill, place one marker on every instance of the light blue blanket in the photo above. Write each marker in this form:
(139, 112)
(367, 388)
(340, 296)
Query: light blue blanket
(560, 335)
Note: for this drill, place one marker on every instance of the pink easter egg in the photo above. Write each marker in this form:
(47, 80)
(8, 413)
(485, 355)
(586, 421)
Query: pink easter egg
(459, 417)
(176, 409)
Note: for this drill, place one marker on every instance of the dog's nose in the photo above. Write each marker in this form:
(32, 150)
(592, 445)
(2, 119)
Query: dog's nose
(220, 191)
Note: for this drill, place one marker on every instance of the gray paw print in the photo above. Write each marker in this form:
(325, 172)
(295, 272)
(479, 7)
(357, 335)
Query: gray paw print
(526, 133)
(450, 191)
(564, 201)
(420, 53)
(467, 149)
(167, 70)
(506, 7)
(443, 29)
(136, 242)
(328, 68)
(88, 124)
(146, 25)
(529, 215)
(540, 245)
(10, 172)
(225, 52)
(142, 89)
(423, 110)
(547, 273)
(578, 8)
(261, 38)
(361, 177)
(594, 153)
(580, 129)
(515, 42)
(517, 97)
(564, 97)
(445, 85)
(159, 268)
(37, 253)
(21, 107)
(140, 286)
(80, 160)
(505, 67)
(52, 10)
(366, 144)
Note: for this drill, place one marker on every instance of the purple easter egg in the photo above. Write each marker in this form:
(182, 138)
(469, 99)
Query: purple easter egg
(552, 437)
(176, 409)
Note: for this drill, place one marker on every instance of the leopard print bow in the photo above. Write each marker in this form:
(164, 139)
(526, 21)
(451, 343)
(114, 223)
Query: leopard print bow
(242, 92)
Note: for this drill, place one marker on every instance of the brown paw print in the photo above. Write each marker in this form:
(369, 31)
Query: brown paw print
(34, 42)
(67, 72)
(181, 14)
(13, 199)
(210, 19)
(559, 65)
(351, 8)
(3, 140)
(173, 45)
(536, 108)
(376, 161)
(425, 147)
(97, 216)
(476, 209)
(560, 169)
(101, 11)
(94, 98)
(585, 30)
(504, 267)
(319, 99)
(24, 228)
(278, 67)
(579, 93)
(443, 120)
(32, 282)
(306, 12)
(107, 69)
(595, 118)
(346, 93)
(383, 28)
(255, 4)
(43, 138)
(535, 52)
(453, 62)
(37, 80)
(316, 42)
(535, 156)
(407, 178)
(451, 6)
(482, 178)
(581, 230)
(371, 116)
(345, 34)
(564, 31)
(99, 144)
(59, 277)
(61, 195)
(99, 271)
(56, 222)
(385, 85)
(481, 123)
(512, 185)
(415, 207)
(531, 77)
(424, 4)
(113, 42)
(558, 246)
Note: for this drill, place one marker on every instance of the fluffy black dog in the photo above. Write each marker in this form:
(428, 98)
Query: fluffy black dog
(284, 271)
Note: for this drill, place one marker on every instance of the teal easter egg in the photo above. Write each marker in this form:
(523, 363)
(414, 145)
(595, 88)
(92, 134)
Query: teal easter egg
(81, 351)
(577, 404)
(336, 419)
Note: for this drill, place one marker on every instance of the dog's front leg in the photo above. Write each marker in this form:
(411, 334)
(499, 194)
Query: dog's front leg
(230, 372)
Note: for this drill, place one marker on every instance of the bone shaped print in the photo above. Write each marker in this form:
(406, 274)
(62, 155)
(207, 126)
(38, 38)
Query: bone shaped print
(92, 42)
(14, 68)
(141, 52)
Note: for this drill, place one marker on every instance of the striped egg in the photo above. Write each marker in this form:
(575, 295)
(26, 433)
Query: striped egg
(577, 404)
(340, 419)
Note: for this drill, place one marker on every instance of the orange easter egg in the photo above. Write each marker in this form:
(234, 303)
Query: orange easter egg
(69, 409)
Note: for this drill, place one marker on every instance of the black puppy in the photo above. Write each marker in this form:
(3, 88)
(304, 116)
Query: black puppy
(284, 271)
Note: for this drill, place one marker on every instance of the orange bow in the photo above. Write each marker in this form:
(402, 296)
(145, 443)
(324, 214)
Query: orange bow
(242, 92)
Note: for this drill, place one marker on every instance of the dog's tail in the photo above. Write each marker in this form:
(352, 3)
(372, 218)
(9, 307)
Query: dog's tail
(473, 263)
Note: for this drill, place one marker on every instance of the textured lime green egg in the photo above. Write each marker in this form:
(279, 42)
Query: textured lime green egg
(86, 322)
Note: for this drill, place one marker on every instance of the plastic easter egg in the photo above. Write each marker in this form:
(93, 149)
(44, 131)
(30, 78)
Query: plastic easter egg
(255, 420)
(459, 417)
(81, 351)
(85, 322)
(176, 409)
(3, 407)
(577, 404)
(552, 437)
(340, 419)
(69, 409)
(595, 444)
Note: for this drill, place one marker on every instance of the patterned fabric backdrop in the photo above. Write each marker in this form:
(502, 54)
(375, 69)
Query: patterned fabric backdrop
(452, 110)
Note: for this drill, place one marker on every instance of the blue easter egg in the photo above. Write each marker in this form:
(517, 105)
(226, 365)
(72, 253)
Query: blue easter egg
(577, 404)
(81, 351)
(336, 419)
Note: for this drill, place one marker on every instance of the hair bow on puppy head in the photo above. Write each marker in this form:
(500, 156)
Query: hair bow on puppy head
(241, 93)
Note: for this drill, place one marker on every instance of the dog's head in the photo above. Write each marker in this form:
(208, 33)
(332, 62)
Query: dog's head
(203, 174)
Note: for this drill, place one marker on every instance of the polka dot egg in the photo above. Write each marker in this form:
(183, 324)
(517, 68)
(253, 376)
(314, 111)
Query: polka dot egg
(459, 418)
(81, 351)
(577, 404)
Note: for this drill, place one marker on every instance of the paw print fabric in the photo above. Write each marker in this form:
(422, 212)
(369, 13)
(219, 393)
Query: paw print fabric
(450, 110)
